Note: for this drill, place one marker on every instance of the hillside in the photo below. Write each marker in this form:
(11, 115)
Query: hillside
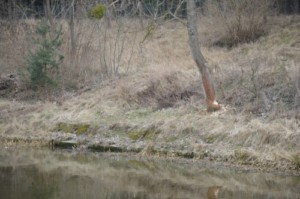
(157, 106)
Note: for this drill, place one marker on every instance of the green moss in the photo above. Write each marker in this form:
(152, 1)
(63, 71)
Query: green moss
(150, 134)
(82, 128)
(16, 140)
(143, 134)
(296, 161)
(141, 165)
(64, 127)
(72, 128)
(134, 135)
(211, 139)
(98, 11)
(243, 156)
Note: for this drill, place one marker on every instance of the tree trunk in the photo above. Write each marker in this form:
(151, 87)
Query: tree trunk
(10, 11)
(141, 13)
(212, 104)
(49, 12)
(72, 33)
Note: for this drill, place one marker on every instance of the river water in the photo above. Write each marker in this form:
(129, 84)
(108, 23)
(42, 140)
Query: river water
(44, 174)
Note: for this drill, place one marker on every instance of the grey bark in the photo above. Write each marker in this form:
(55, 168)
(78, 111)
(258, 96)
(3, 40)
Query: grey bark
(201, 63)
(49, 13)
(141, 13)
(72, 33)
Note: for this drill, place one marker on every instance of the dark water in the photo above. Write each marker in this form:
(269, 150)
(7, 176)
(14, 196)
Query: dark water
(31, 173)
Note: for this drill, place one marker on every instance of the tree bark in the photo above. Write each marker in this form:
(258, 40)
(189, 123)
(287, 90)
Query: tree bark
(212, 104)
(141, 13)
(49, 12)
(72, 33)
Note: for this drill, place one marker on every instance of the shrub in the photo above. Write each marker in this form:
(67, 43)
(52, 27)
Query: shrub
(98, 11)
(43, 63)
(296, 161)
(241, 20)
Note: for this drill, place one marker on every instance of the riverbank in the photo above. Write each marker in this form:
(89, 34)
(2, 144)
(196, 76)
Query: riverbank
(222, 137)
(159, 108)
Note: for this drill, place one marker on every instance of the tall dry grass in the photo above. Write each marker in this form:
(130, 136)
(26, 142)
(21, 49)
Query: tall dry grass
(14, 44)
(259, 77)
(239, 21)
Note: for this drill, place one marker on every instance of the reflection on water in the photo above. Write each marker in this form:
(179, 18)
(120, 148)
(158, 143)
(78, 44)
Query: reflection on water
(46, 174)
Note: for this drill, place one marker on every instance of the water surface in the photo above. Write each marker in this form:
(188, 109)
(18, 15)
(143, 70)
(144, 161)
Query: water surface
(34, 173)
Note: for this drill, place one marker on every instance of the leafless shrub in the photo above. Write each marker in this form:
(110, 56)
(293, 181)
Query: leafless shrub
(14, 43)
(98, 48)
(101, 51)
(241, 20)
(264, 85)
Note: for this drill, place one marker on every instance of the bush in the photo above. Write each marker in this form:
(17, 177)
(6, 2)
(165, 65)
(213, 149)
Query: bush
(241, 20)
(98, 11)
(43, 63)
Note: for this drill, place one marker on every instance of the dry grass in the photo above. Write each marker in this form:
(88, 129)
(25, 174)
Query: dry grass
(238, 21)
(257, 83)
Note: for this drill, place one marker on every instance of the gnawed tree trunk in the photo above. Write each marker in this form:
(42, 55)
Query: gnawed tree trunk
(212, 104)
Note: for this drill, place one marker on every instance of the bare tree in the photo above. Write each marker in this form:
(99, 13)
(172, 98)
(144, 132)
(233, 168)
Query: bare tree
(212, 104)
(72, 33)
(141, 13)
(49, 12)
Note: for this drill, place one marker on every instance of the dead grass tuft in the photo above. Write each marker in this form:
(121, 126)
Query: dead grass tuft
(243, 156)
(162, 91)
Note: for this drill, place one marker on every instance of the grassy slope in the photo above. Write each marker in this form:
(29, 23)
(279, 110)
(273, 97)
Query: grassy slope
(161, 105)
